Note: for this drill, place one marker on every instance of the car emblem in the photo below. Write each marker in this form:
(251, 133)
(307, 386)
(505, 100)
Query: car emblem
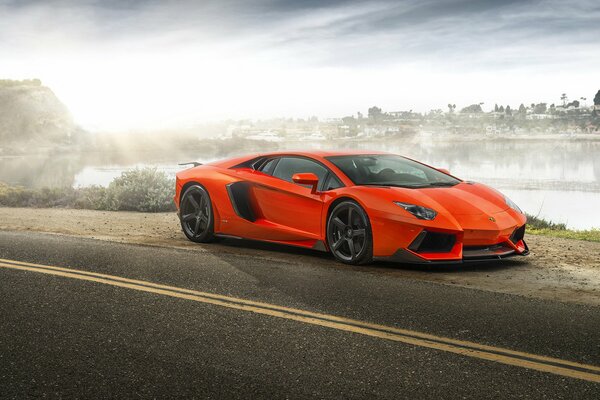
(492, 219)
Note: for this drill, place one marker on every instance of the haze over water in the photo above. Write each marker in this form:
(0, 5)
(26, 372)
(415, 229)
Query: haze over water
(558, 180)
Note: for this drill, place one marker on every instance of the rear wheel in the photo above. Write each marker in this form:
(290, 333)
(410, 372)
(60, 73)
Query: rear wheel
(196, 215)
(349, 234)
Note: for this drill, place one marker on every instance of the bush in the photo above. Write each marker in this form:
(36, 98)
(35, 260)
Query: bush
(14, 196)
(535, 222)
(146, 190)
(91, 198)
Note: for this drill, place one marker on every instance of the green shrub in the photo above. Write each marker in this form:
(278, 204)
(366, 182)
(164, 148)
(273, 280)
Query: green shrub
(91, 198)
(146, 190)
(535, 222)
(13, 196)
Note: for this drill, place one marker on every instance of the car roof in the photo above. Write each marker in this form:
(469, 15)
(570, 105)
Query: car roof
(317, 154)
(323, 153)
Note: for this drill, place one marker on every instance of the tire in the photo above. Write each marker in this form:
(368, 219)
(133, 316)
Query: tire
(196, 215)
(349, 235)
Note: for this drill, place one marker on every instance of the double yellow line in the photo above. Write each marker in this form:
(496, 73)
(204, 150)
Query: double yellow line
(470, 349)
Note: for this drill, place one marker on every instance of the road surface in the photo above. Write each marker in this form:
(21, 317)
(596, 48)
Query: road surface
(87, 318)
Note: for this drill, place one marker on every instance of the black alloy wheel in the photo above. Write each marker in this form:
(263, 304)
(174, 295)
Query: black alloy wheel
(196, 215)
(349, 234)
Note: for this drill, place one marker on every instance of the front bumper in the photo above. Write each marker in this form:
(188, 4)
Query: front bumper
(491, 253)
(430, 247)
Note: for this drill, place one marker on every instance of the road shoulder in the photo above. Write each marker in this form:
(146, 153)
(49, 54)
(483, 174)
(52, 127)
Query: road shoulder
(558, 269)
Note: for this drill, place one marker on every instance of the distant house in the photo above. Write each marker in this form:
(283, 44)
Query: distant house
(492, 130)
(539, 116)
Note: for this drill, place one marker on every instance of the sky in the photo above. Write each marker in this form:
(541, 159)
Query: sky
(131, 65)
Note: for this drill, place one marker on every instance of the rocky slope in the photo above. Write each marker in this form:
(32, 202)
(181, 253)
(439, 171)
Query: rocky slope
(32, 117)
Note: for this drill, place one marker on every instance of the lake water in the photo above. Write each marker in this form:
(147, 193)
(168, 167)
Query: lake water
(555, 179)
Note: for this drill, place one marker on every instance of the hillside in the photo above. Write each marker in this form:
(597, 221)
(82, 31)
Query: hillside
(31, 117)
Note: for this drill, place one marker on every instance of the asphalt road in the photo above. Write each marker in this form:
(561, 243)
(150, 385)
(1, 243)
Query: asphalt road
(70, 335)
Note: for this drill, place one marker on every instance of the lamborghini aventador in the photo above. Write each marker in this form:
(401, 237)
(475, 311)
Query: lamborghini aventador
(359, 206)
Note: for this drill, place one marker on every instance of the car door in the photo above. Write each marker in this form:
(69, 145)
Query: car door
(292, 209)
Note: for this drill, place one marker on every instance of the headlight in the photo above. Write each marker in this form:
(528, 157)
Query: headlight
(512, 204)
(418, 211)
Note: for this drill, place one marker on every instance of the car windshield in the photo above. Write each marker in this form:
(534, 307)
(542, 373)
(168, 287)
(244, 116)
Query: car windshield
(390, 170)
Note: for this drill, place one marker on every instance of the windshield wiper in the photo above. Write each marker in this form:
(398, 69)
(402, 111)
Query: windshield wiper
(442, 184)
(419, 185)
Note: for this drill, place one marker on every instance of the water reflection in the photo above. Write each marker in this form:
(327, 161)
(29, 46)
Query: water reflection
(38, 171)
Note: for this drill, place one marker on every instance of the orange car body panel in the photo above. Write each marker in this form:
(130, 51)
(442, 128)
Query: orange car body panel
(288, 213)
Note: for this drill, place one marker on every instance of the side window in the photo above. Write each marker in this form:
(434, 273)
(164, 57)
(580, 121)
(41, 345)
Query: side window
(268, 167)
(288, 166)
(332, 182)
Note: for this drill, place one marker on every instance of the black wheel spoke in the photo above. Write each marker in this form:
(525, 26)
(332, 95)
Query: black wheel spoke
(339, 224)
(194, 203)
(337, 244)
(204, 218)
(358, 232)
(188, 217)
(351, 247)
(197, 226)
(350, 216)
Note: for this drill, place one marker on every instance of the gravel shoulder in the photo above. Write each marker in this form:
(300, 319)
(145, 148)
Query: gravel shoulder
(558, 269)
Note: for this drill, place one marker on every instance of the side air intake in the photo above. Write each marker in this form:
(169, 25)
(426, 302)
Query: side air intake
(239, 195)
(518, 235)
(433, 242)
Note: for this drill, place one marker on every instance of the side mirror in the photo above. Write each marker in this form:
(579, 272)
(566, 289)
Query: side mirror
(307, 178)
(445, 171)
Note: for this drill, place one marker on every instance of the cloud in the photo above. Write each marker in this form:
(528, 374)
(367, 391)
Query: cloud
(229, 58)
(337, 32)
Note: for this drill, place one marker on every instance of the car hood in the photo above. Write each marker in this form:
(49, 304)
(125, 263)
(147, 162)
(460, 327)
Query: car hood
(462, 199)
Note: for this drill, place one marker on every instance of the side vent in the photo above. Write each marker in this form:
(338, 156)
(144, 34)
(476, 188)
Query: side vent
(239, 195)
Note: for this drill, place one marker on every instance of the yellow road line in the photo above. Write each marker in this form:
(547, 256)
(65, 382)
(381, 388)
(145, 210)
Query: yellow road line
(471, 349)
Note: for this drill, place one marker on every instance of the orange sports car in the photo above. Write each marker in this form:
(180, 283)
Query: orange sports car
(359, 206)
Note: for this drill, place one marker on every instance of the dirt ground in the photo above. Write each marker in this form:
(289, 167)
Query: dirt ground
(557, 269)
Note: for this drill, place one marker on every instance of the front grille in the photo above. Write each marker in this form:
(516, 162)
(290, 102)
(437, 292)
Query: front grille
(433, 242)
(518, 235)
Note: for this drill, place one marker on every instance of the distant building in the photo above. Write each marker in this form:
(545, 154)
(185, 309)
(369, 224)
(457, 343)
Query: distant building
(539, 116)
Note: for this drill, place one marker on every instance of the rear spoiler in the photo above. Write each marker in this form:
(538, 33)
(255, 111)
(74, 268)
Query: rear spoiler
(194, 163)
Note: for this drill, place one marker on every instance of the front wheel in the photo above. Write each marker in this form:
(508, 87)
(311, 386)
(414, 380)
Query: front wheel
(349, 234)
(196, 215)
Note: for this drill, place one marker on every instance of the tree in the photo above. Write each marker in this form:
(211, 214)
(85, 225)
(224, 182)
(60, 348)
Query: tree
(501, 109)
(374, 113)
(495, 107)
(540, 108)
(451, 108)
(564, 98)
(522, 109)
(597, 99)
(350, 121)
(473, 108)
(508, 110)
